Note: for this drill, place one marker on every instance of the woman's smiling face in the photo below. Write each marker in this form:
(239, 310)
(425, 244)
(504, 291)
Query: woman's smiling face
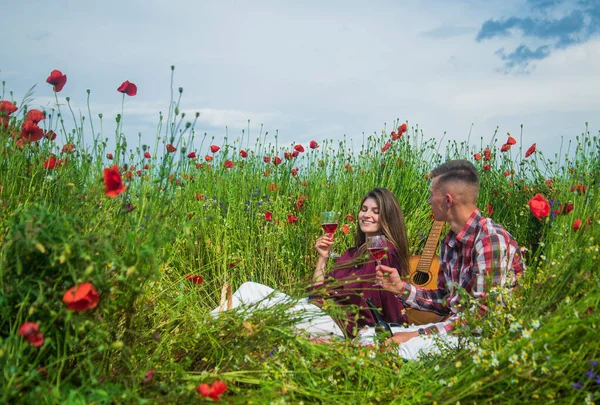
(368, 217)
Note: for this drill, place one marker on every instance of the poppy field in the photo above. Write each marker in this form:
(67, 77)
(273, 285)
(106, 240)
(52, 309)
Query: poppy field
(113, 252)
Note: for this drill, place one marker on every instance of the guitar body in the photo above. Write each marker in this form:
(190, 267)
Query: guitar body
(423, 272)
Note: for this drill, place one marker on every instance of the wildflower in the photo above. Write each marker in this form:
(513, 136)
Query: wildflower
(170, 148)
(345, 229)
(506, 173)
(350, 217)
(295, 154)
(128, 88)
(213, 391)
(287, 156)
(490, 210)
(299, 148)
(268, 216)
(208, 158)
(272, 187)
(266, 159)
(292, 219)
(590, 374)
(7, 108)
(50, 163)
(540, 207)
(580, 188)
(531, 150)
(505, 147)
(148, 377)
(147, 155)
(402, 128)
(192, 155)
(487, 167)
(477, 156)
(31, 332)
(113, 183)
(35, 116)
(549, 182)
(276, 160)
(30, 132)
(568, 208)
(386, 147)
(487, 154)
(243, 154)
(195, 279)
(81, 297)
(295, 172)
(109, 156)
(228, 164)
(511, 140)
(313, 145)
(214, 148)
(57, 79)
(577, 386)
(577, 224)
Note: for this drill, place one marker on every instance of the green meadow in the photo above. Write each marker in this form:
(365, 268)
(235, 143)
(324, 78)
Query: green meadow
(188, 212)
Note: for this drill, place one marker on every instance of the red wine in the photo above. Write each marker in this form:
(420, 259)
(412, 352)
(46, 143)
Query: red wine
(377, 253)
(329, 228)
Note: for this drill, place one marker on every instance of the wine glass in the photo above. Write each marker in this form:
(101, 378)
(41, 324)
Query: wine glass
(329, 223)
(377, 248)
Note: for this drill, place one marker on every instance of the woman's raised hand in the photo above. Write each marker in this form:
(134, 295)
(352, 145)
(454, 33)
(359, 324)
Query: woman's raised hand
(323, 245)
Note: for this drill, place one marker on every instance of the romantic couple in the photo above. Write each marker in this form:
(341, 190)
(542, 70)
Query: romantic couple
(475, 251)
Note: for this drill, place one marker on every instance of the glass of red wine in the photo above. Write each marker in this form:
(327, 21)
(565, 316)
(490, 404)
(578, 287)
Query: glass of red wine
(329, 223)
(377, 248)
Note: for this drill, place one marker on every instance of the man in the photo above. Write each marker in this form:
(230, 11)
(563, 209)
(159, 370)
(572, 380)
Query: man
(475, 251)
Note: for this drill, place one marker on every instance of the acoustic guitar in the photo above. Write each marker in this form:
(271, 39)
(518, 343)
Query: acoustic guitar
(423, 271)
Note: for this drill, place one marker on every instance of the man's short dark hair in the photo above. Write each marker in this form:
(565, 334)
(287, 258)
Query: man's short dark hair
(456, 170)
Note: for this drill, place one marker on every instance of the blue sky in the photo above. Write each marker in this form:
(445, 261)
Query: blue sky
(319, 69)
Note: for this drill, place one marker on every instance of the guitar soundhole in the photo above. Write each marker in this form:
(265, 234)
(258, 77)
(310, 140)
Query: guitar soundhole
(421, 278)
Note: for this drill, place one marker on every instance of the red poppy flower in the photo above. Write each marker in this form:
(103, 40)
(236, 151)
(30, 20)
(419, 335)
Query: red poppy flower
(568, 208)
(68, 148)
(295, 172)
(31, 332)
(580, 188)
(487, 154)
(35, 116)
(214, 148)
(506, 173)
(487, 167)
(109, 156)
(345, 229)
(268, 216)
(243, 154)
(192, 155)
(50, 163)
(128, 88)
(395, 136)
(402, 128)
(195, 279)
(295, 153)
(276, 160)
(531, 150)
(386, 146)
(505, 147)
(272, 187)
(213, 391)
(148, 377)
(540, 207)
(81, 297)
(113, 183)
(170, 148)
(266, 159)
(228, 164)
(511, 140)
(576, 224)
(7, 108)
(147, 155)
(350, 218)
(287, 156)
(292, 219)
(299, 148)
(490, 210)
(313, 144)
(549, 182)
(57, 79)
(208, 158)
(477, 156)
(30, 132)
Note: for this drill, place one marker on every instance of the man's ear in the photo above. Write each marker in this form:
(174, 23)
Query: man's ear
(449, 200)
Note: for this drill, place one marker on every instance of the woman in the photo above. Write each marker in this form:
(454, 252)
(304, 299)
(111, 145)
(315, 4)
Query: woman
(352, 279)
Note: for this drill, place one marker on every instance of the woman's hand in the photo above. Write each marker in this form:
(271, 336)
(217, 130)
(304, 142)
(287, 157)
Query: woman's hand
(390, 279)
(323, 245)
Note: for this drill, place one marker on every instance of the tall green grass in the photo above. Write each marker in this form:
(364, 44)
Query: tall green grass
(184, 216)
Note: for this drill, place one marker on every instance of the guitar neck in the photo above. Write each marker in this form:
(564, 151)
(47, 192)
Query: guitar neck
(430, 246)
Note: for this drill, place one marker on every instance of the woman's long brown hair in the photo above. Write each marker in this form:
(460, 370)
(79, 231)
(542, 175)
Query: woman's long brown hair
(392, 226)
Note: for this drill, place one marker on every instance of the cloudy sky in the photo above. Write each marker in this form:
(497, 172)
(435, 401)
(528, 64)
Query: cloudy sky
(317, 69)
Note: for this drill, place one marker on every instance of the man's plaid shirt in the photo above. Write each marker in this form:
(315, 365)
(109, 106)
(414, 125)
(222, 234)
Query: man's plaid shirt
(481, 251)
